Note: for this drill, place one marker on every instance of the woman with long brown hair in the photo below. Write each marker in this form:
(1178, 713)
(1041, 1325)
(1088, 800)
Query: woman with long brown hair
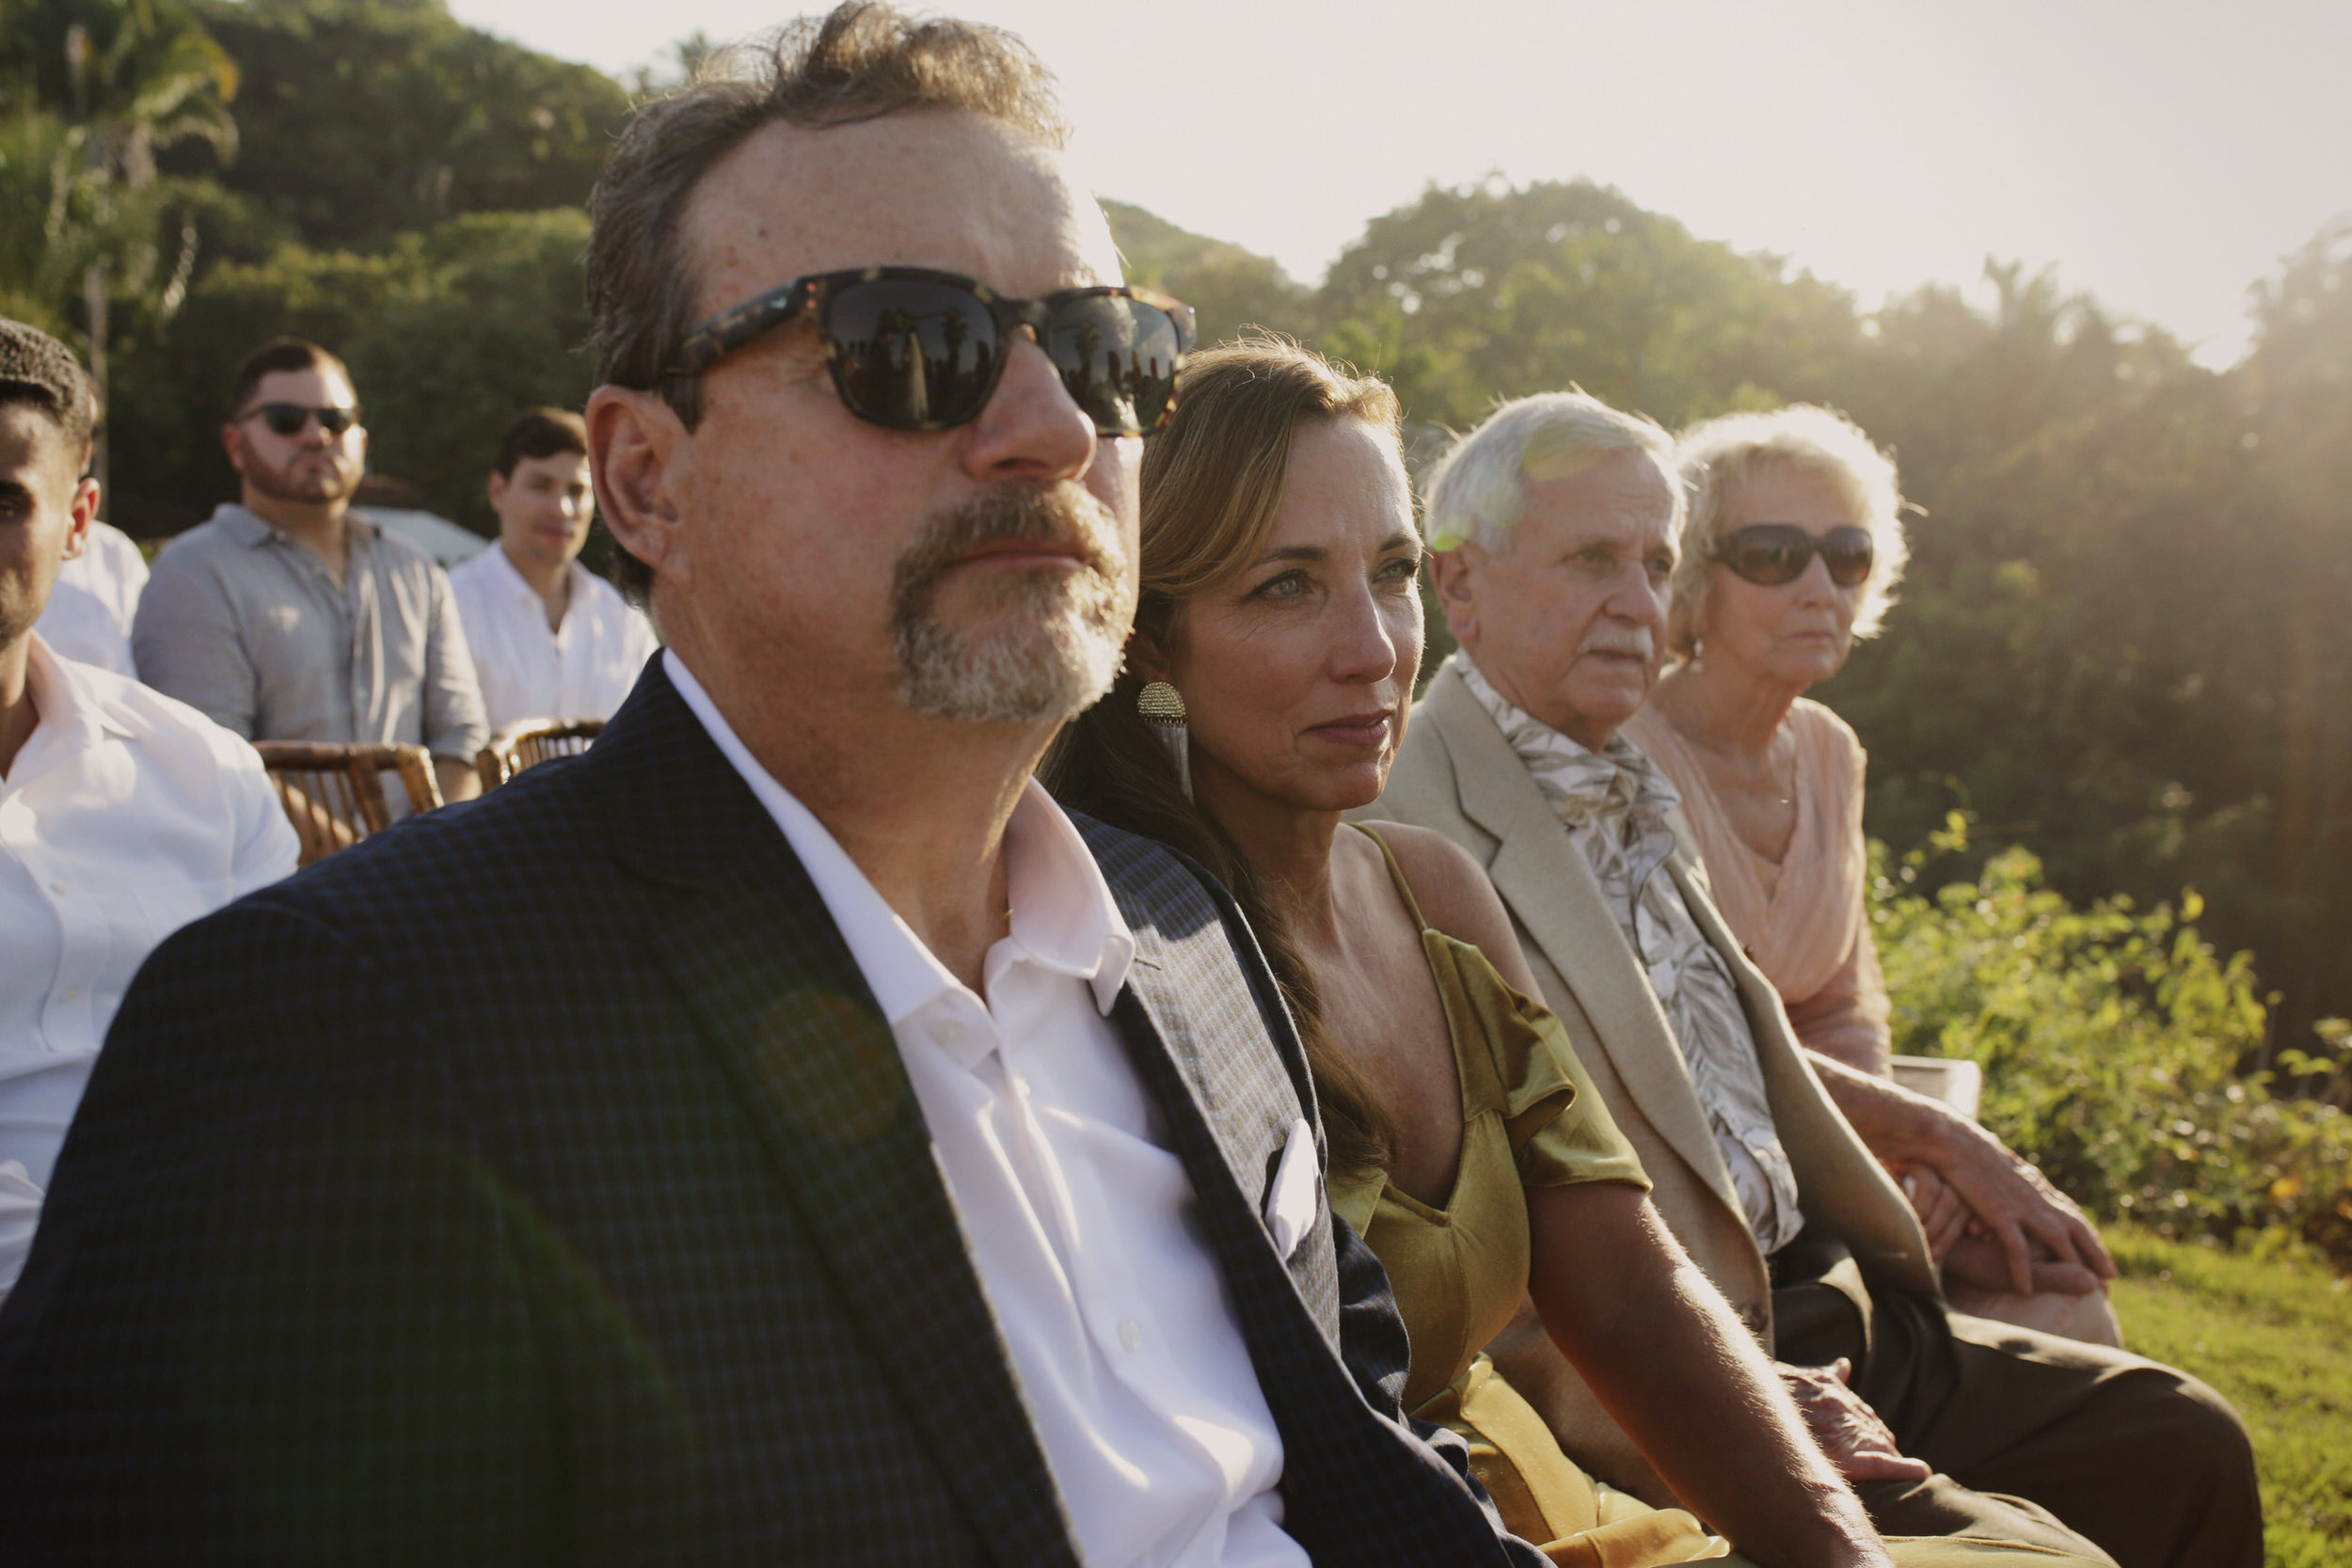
(1267, 683)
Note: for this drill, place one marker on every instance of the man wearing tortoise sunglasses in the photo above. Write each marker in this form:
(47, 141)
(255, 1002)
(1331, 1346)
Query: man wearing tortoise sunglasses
(781, 1134)
(287, 616)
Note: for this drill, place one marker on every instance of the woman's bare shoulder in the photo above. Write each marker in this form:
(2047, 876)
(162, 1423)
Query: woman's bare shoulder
(1454, 892)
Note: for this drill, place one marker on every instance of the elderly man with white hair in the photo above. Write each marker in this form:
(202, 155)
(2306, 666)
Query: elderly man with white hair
(1553, 528)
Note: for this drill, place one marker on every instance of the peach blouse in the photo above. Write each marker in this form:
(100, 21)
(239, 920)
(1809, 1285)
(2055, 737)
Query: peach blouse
(1802, 920)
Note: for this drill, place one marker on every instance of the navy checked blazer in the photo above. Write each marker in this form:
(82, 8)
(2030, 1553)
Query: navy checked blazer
(538, 1182)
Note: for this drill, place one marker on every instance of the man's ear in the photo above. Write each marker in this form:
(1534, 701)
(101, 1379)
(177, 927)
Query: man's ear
(1453, 576)
(232, 442)
(84, 512)
(496, 488)
(633, 437)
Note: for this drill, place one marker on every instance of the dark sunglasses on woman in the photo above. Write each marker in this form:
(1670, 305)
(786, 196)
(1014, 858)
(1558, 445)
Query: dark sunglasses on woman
(1770, 554)
(293, 419)
(913, 349)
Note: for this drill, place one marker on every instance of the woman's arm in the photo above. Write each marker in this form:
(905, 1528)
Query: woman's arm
(1456, 898)
(1678, 1372)
(1847, 1018)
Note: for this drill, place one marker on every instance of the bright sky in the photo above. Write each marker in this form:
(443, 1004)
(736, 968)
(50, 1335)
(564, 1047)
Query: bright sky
(2163, 155)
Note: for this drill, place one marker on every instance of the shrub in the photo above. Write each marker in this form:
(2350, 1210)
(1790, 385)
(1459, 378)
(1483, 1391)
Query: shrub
(2113, 1041)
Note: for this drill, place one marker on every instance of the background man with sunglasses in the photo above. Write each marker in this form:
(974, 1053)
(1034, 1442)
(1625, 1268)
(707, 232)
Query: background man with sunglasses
(1553, 529)
(780, 1134)
(285, 617)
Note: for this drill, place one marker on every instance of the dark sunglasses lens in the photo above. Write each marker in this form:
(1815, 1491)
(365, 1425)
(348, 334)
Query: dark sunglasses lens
(1847, 553)
(1769, 554)
(911, 354)
(285, 418)
(335, 420)
(1118, 357)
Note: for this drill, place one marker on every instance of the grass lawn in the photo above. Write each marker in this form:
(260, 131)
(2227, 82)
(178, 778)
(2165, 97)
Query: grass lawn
(2275, 1338)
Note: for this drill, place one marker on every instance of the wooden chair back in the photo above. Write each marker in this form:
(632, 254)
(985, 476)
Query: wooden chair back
(334, 795)
(528, 742)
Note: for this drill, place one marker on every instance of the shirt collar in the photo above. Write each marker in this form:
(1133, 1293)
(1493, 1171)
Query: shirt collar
(1583, 784)
(1064, 918)
(70, 717)
(515, 586)
(252, 528)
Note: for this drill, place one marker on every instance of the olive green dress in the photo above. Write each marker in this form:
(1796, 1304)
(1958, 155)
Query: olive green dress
(1530, 1118)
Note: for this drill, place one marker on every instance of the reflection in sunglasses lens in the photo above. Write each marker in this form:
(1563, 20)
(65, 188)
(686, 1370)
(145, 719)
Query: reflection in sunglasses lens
(925, 354)
(912, 353)
(291, 418)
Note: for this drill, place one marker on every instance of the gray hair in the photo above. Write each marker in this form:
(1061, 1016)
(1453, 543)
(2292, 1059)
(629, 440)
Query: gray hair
(1718, 456)
(860, 61)
(1478, 489)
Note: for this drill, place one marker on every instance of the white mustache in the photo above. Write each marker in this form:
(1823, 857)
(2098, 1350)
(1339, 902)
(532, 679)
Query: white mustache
(1641, 647)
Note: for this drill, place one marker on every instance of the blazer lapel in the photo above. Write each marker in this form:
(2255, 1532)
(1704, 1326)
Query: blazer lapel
(744, 935)
(1553, 892)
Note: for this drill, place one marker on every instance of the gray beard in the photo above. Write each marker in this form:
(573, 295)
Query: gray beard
(1068, 629)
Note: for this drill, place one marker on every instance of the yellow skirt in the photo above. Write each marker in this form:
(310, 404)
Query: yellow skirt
(1542, 1493)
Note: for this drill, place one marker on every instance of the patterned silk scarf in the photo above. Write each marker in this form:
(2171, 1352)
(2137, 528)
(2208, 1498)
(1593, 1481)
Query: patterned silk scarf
(1614, 804)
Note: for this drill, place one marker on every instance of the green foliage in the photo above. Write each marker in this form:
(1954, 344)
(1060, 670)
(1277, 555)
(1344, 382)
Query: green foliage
(364, 119)
(92, 93)
(1481, 293)
(2113, 1040)
(2275, 1337)
(1228, 288)
(448, 334)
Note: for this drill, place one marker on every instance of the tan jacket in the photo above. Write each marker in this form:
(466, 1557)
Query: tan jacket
(1457, 773)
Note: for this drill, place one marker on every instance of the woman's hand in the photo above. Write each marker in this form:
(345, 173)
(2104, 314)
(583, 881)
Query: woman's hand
(2020, 1229)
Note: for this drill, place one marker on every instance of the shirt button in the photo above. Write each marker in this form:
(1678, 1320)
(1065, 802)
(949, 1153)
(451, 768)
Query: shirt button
(951, 1032)
(56, 887)
(72, 992)
(1130, 1334)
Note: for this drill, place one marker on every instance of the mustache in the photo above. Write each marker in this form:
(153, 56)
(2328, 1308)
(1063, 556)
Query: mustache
(1640, 645)
(1021, 511)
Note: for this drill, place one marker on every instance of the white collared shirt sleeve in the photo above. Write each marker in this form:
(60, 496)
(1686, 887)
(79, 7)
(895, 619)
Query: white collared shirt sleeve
(581, 670)
(125, 815)
(1078, 1215)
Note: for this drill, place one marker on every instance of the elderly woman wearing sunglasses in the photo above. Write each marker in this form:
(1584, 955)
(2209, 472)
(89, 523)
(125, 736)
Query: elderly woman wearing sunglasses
(1792, 549)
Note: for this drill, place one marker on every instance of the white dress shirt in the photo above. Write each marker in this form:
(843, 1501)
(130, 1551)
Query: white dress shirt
(124, 817)
(581, 670)
(1077, 1213)
(91, 609)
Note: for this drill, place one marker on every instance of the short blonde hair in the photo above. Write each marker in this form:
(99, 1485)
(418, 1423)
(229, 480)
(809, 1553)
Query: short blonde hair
(1478, 489)
(1719, 456)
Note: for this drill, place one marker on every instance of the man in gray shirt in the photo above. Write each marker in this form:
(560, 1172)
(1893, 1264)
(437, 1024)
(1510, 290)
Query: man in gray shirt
(286, 618)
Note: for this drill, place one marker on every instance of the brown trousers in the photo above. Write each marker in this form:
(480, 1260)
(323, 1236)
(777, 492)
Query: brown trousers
(2145, 1461)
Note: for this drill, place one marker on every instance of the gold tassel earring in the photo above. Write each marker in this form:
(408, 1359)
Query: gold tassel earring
(1162, 707)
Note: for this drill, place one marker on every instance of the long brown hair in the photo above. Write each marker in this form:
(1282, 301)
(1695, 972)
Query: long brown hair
(1211, 482)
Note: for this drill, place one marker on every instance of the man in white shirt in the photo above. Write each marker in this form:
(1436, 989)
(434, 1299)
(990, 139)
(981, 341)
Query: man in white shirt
(95, 600)
(123, 814)
(550, 639)
(780, 1134)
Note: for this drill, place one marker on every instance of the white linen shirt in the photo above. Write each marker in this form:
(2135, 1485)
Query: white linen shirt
(125, 815)
(1078, 1215)
(95, 599)
(581, 670)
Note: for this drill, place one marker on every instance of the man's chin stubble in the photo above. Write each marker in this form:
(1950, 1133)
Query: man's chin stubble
(1067, 628)
(1050, 669)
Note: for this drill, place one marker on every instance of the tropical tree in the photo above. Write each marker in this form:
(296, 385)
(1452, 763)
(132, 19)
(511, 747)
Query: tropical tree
(95, 91)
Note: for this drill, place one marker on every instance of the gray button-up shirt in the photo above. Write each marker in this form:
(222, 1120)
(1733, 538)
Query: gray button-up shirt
(244, 624)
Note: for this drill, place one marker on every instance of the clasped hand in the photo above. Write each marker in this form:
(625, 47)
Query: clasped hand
(1994, 1221)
